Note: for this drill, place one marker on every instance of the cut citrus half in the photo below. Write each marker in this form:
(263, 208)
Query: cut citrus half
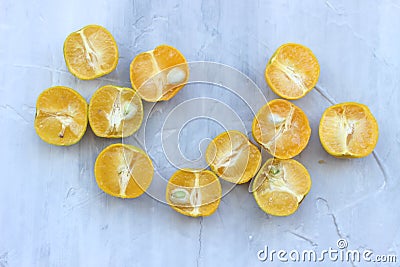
(159, 74)
(90, 52)
(194, 192)
(281, 128)
(61, 116)
(348, 130)
(115, 112)
(123, 171)
(280, 186)
(233, 157)
(292, 71)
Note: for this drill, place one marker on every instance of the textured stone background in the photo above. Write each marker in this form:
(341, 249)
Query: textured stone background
(51, 210)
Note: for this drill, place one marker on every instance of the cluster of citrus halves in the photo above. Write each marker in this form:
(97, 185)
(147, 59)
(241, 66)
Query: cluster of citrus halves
(279, 127)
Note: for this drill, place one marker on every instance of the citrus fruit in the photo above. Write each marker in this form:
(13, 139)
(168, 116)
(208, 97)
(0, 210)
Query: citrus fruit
(281, 128)
(115, 112)
(233, 157)
(159, 74)
(292, 71)
(280, 186)
(194, 192)
(123, 171)
(348, 130)
(61, 116)
(90, 52)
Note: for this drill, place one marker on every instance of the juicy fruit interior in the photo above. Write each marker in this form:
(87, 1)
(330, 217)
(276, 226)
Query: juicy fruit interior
(159, 74)
(233, 157)
(349, 130)
(61, 116)
(280, 186)
(194, 193)
(292, 71)
(115, 112)
(91, 52)
(281, 128)
(123, 171)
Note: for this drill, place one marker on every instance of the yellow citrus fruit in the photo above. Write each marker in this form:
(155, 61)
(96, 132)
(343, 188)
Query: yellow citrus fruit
(233, 157)
(90, 52)
(61, 116)
(194, 192)
(281, 128)
(292, 71)
(280, 186)
(115, 112)
(123, 171)
(348, 130)
(159, 74)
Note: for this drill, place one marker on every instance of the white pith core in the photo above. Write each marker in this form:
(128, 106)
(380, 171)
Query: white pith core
(292, 75)
(90, 53)
(281, 126)
(120, 111)
(347, 131)
(278, 181)
(66, 120)
(232, 157)
(195, 196)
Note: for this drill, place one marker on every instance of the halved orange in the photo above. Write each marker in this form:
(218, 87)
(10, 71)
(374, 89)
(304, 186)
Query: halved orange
(280, 186)
(90, 52)
(61, 116)
(292, 71)
(282, 128)
(194, 192)
(123, 171)
(233, 157)
(348, 130)
(115, 112)
(159, 74)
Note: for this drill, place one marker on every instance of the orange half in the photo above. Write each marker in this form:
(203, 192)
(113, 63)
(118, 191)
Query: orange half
(123, 171)
(194, 192)
(159, 74)
(281, 128)
(115, 112)
(280, 186)
(61, 116)
(348, 130)
(233, 157)
(292, 71)
(90, 52)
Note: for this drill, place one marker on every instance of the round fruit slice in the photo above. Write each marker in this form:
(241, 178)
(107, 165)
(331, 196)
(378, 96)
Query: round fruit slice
(61, 116)
(292, 71)
(123, 171)
(233, 157)
(194, 192)
(90, 52)
(281, 128)
(280, 186)
(159, 74)
(115, 112)
(348, 130)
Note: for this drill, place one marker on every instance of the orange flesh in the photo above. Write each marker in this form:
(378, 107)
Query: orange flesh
(280, 186)
(61, 116)
(193, 192)
(90, 52)
(159, 74)
(348, 130)
(281, 128)
(292, 71)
